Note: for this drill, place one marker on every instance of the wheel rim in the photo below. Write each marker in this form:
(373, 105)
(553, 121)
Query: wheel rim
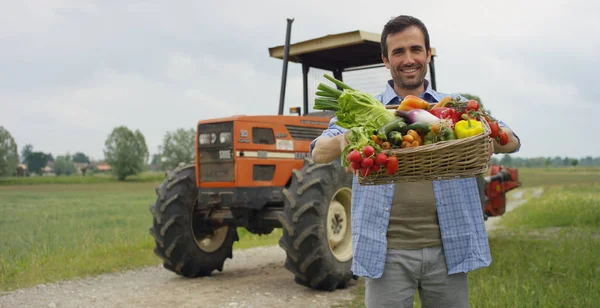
(212, 242)
(339, 234)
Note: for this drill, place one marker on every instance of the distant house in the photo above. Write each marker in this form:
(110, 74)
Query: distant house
(102, 167)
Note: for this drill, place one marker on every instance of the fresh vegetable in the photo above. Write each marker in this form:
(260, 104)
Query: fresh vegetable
(405, 144)
(386, 145)
(381, 159)
(358, 140)
(411, 102)
(503, 138)
(443, 102)
(494, 128)
(368, 151)
(415, 135)
(468, 127)
(368, 162)
(396, 124)
(395, 137)
(353, 108)
(392, 165)
(446, 113)
(421, 128)
(418, 115)
(354, 156)
(408, 138)
(472, 105)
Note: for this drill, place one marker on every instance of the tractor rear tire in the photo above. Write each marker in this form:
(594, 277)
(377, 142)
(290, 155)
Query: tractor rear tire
(176, 244)
(317, 237)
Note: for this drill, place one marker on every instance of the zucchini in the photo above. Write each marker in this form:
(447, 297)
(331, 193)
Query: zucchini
(420, 127)
(396, 124)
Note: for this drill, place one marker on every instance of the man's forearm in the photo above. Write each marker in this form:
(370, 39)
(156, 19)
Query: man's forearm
(511, 146)
(327, 149)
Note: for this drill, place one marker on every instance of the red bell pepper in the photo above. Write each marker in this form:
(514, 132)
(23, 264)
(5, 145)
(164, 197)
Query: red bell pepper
(446, 113)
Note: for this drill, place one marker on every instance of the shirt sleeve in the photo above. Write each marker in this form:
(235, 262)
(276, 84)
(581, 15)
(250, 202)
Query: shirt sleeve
(331, 131)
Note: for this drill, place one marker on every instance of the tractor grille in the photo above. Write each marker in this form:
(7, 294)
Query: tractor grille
(304, 133)
(216, 165)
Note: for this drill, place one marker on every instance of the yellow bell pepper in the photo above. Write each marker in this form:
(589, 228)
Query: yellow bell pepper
(467, 127)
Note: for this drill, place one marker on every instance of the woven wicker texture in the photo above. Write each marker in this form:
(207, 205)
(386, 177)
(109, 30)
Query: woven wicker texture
(461, 158)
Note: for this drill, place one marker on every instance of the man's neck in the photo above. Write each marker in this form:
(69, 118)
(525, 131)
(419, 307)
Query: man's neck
(404, 92)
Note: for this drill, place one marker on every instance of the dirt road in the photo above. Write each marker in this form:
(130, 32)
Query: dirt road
(253, 278)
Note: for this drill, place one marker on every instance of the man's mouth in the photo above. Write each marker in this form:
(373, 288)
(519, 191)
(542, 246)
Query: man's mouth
(409, 70)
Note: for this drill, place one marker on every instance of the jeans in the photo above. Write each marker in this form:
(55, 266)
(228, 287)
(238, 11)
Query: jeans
(407, 271)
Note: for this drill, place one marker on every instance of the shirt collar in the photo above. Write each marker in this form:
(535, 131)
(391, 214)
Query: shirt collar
(389, 96)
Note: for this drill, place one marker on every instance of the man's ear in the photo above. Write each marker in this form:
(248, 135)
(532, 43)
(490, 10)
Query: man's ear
(385, 60)
(429, 56)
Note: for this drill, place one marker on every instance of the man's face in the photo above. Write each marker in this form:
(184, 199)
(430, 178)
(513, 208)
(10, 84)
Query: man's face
(407, 58)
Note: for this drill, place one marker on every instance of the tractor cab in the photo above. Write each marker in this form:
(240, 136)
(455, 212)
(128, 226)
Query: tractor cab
(337, 53)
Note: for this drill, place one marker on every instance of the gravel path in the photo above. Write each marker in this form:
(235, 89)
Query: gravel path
(253, 278)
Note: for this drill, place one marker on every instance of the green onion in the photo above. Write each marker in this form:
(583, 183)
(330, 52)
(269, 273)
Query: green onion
(337, 82)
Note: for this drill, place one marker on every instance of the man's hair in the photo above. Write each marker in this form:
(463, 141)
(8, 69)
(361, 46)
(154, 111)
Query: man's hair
(399, 24)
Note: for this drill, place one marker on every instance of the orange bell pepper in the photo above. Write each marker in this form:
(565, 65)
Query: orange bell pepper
(413, 102)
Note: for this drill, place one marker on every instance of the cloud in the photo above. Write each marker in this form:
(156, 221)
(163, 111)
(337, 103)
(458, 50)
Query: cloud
(72, 71)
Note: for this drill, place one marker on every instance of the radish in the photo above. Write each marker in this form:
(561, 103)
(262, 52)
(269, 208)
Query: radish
(354, 156)
(381, 159)
(367, 162)
(368, 151)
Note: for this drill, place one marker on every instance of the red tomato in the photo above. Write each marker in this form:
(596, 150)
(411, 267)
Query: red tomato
(503, 138)
(472, 105)
(392, 165)
(495, 128)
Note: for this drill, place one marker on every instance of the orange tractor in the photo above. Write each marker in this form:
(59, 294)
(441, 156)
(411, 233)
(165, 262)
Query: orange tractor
(255, 172)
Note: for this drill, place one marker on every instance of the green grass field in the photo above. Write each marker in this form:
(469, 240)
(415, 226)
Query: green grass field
(52, 232)
(546, 252)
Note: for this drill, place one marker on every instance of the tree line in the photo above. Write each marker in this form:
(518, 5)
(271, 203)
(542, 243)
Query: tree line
(125, 151)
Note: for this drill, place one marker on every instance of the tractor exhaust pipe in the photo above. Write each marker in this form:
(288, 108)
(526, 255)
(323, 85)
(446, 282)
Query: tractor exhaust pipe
(286, 54)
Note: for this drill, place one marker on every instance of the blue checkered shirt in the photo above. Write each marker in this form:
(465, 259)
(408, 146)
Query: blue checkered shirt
(459, 210)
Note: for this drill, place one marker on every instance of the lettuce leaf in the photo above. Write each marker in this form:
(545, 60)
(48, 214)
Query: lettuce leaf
(359, 109)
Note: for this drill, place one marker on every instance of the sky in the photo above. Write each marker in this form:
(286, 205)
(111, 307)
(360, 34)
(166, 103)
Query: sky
(71, 71)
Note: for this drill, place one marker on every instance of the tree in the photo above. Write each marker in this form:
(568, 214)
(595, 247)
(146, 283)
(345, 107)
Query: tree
(25, 152)
(126, 152)
(81, 158)
(178, 146)
(38, 160)
(9, 156)
(64, 165)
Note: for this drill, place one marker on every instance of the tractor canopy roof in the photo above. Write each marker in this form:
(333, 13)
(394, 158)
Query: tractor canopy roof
(336, 51)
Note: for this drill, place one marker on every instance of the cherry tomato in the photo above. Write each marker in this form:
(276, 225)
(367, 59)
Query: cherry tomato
(472, 105)
(495, 128)
(503, 138)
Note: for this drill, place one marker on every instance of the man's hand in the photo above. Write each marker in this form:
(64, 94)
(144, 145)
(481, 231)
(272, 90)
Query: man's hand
(511, 146)
(329, 148)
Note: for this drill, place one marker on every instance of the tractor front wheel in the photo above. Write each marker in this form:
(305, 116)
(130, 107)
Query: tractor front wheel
(183, 251)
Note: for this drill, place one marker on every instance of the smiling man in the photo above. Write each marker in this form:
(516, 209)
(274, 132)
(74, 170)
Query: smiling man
(423, 236)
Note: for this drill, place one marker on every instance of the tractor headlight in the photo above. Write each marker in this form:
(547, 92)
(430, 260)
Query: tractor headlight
(225, 137)
(207, 138)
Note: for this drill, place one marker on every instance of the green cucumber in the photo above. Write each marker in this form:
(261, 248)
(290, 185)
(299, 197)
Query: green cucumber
(421, 128)
(397, 124)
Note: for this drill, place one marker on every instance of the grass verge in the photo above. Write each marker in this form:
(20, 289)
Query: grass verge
(53, 232)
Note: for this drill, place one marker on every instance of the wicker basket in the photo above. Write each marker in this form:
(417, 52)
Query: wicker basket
(444, 160)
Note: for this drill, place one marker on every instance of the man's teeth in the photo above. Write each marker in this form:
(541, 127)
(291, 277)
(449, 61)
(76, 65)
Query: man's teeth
(409, 70)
